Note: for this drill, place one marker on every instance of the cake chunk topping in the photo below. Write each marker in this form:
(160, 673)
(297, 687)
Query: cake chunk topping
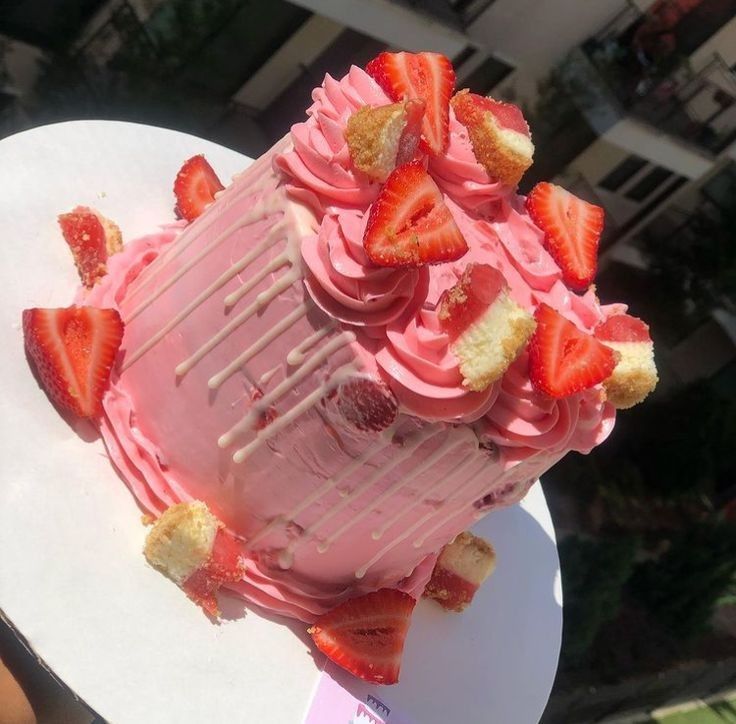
(460, 570)
(487, 329)
(498, 133)
(635, 374)
(190, 545)
(382, 138)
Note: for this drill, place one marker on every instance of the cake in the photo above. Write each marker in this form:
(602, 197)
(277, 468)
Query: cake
(361, 346)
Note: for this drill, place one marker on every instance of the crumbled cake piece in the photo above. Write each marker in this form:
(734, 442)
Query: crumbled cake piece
(635, 374)
(460, 569)
(498, 133)
(191, 546)
(182, 539)
(488, 329)
(382, 138)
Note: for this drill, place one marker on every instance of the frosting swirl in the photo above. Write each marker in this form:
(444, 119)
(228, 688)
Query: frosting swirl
(320, 158)
(342, 281)
(423, 372)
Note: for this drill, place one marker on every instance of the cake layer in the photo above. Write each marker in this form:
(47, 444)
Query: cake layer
(243, 327)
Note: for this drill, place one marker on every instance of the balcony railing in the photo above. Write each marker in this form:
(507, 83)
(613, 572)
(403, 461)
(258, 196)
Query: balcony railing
(458, 14)
(697, 106)
(638, 65)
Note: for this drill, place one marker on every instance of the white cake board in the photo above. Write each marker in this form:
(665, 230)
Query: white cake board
(73, 580)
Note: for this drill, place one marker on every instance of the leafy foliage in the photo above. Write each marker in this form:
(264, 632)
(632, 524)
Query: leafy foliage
(683, 587)
(593, 575)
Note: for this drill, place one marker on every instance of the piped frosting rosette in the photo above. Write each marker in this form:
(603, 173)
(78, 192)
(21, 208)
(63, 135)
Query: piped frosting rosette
(320, 160)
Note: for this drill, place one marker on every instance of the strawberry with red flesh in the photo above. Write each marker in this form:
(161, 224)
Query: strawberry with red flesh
(365, 635)
(409, 223)
(368, 404)
(73, 350)
(635, 374)
(498, 133)
(92, 239)
(429, 77)
(225, 565)
(563, 359)
(461, 568)
(379, 139)
(572, 229)
(487, 329)
(195, 187)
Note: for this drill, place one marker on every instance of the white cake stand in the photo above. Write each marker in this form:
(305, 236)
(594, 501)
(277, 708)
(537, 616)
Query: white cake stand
(73, 581)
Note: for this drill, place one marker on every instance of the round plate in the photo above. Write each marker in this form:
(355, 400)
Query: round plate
(73, 580)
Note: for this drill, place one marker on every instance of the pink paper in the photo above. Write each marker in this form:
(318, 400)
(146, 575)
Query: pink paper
(334, 704)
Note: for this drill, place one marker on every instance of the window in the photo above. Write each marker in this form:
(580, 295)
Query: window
(653, 180)
(464, 55)
(627, 169)
(487, 75)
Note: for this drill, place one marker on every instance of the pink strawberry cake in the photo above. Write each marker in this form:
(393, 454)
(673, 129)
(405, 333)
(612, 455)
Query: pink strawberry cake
(364, 344)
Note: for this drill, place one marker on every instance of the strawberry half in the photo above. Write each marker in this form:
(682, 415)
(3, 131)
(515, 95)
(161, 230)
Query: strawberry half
(73, 350)
(635, 375)
(572, 229)
(563, 359)
(409, 223)
(379, 139)
(92, 239)
(498, 133)
(368, 404)
(427, 76)
(195, 187)
(365, 635)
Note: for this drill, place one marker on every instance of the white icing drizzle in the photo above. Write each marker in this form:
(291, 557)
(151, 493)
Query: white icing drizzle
(297, 355)
(450, 444)
(266, 377)
(258, 177)
(360, 572)
(260, 344)
(251, 418)
(419, 542)
(332, 482)
(261, 301)
(274, 265)
(411, 444)
(285, 419)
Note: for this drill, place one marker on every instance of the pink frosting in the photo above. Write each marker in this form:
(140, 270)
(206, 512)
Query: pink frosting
(394, 310)
(320, 160)
(488, 445)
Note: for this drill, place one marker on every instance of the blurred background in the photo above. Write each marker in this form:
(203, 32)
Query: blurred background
(632, 105)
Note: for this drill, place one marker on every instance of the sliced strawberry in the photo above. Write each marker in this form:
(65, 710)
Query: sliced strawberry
(572, 228)
(379, 139)
(623, 328)
(368, 404)
(195, 187)
(225, 565)
(365, 635)
(73, 350)
(427, 76)
(91, 238)
(409, 223)
(498, 133)
(563, 359)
